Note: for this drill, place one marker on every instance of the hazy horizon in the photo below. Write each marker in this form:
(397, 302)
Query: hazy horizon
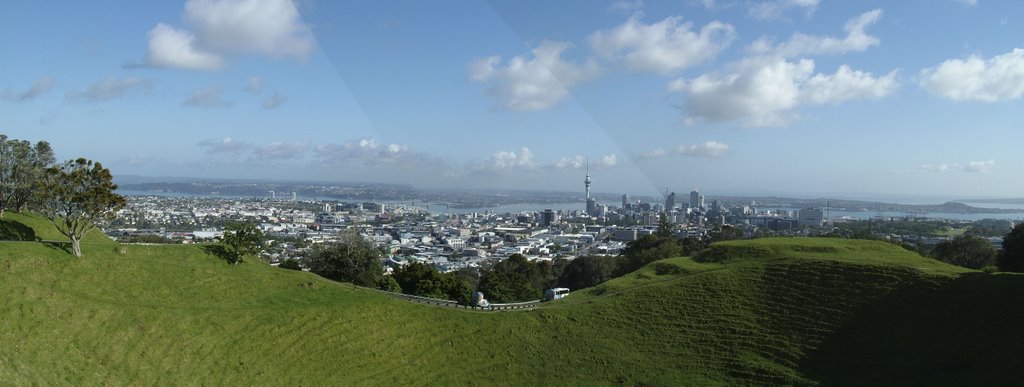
(851, 100)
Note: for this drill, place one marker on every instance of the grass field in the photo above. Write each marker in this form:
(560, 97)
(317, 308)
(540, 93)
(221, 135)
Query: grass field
(789, 311)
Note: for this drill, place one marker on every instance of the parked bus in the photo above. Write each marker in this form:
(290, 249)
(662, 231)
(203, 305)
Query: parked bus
(555, 293)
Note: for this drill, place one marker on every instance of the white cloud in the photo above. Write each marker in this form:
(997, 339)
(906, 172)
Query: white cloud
(40, 87)
(608, 161)
(254, 85)
(971, 167)
(505, 161)
(268, 27)
(225, 145)
(170, 47)
(764, 91)
(968, 2)
(274, 101)
(366, 152)
(662, 47)
(776, 9)
(856, 40)
(976, 79)
(280, 151)
(229, 27)
(705, 149)
(580, 162)
(208, 97)
(847, 84)
(106, 89)
(980, 166)
(536, 83)
(575, 162)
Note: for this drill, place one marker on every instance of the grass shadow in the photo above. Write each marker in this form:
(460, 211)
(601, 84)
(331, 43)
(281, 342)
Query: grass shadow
(963, 331)
(62, 246)
(16, 231)
(219, 251)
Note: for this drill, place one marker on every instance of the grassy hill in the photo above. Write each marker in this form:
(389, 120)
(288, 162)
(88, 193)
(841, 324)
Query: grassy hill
(793, 311)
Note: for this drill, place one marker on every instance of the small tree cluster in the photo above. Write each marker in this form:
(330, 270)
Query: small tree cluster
(516, 279)
(354, 260)
(966, 250)
(423, 280)
(22, 168)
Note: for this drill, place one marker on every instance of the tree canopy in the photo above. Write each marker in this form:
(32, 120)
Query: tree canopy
(22, 169)
(420, 279)
(354, 260)
(1011, 257)
(516, 279)
(241, 239)
(966, 250)
(584, 272)
(77, 196)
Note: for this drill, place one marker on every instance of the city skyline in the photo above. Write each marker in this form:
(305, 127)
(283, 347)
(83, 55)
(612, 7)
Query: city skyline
(768, 97)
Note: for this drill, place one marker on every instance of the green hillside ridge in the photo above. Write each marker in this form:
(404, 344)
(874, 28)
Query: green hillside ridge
(796, 311)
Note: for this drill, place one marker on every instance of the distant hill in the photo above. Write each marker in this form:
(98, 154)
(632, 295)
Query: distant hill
(770, 311)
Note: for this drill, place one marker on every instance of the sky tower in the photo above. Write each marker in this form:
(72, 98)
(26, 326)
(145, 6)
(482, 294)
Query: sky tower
(586, 182)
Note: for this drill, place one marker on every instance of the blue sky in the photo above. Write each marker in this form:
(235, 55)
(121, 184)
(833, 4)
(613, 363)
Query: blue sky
(843, 98)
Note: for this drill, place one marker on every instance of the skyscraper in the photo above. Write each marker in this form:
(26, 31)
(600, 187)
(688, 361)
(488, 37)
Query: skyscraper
(670, 202)
(625, 200)
(695, 199)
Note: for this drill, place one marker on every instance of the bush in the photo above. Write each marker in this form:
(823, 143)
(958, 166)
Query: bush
(662, 268)
(290, 264)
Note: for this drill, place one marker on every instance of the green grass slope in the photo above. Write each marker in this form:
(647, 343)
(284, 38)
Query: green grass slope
(29, 227)
(179, 315)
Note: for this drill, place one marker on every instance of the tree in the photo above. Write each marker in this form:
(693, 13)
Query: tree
(9, 158)
(241, 239)
(692, 245)
(1011, 257)
(584, 272)
(420, 279)
(31, 179)
(354, 260)
(388, 283)
(77, 196)
(664, 227)
(517, 279)
(968, 251)
(22, 167)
